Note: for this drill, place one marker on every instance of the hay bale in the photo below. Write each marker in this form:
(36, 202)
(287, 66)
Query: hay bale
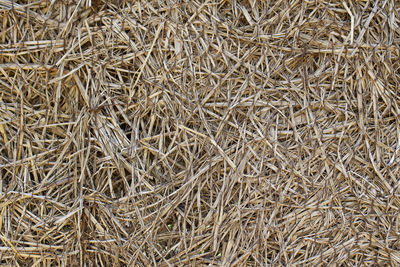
(194, 133)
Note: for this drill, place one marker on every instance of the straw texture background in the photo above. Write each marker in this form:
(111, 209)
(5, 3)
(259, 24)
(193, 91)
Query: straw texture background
(199, 133)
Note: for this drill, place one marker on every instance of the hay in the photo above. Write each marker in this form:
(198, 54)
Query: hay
(194, 133)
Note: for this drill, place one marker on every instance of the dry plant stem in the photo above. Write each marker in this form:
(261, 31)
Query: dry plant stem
(199, 133)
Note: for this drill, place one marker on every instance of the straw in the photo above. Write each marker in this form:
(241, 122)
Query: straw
(199, 133)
